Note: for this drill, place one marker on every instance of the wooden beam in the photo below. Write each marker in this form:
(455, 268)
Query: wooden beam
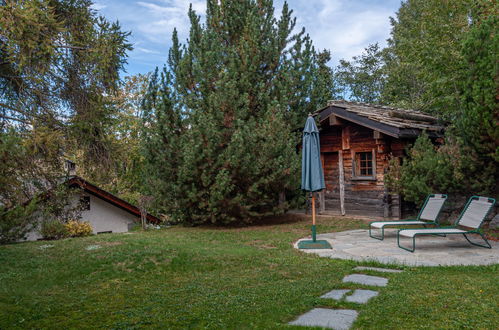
(335, 121)
(322, 193)
(322, 202)
(342, 182)
(412, 116)
(377, 135)
(366, 122)
(345, 138)
(386, 203)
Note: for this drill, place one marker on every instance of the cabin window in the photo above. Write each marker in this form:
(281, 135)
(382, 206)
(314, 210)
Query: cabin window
(364, 165)
(85, 203)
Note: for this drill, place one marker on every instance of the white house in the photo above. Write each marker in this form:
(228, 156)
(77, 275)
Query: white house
(105, 212)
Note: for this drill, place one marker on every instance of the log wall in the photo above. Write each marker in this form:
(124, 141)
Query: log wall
(362, 196)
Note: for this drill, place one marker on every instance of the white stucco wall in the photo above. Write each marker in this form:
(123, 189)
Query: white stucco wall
(103, 217)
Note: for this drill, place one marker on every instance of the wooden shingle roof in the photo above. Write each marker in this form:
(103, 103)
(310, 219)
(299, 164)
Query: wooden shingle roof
(399, 123)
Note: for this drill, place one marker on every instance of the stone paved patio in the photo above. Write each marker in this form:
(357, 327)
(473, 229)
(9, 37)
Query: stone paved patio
(430, 250)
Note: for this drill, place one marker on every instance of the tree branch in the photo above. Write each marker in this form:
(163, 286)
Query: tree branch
(71, 47)
(14, 119)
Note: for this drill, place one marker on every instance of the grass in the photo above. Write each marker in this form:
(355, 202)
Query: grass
(222, 278)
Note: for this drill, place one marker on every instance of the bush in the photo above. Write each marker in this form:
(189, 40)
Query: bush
(15, 223)
(53, 229)
(451, 168)
(78, 228)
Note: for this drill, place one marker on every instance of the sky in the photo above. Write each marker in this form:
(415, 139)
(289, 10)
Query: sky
(345, 27)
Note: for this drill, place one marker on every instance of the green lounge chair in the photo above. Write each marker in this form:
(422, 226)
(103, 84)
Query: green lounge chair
(469, 222)
(427, 216)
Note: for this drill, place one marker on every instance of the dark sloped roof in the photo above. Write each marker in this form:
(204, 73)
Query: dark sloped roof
(76, 181)
(399, 123)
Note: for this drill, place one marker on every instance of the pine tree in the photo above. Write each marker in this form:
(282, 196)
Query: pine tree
(477, 121)
(326, 87)
(363, 79)
(160, 140)
(59, 63)
(225, 133)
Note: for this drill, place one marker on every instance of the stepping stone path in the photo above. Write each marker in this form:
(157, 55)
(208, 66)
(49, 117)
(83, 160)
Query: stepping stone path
(361, 296)
(340, 319)
(366, 279)
(335, 294)
(381, 270)
(358, 296)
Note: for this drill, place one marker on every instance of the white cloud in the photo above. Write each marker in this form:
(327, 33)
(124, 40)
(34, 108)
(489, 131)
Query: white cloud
(145, 50)
(345, 27)
(98, 6)
(163, 17)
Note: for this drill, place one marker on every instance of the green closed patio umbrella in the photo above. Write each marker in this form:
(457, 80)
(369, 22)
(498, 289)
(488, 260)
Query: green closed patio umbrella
(312, 177)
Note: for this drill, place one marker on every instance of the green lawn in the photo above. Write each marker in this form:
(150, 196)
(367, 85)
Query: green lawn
(222, 278)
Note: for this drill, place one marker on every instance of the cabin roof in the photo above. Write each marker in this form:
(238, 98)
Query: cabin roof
(76, 181)
(396, 122)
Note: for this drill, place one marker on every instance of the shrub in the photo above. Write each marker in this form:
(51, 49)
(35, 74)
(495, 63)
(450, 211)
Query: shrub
(53, 229)
(451, 168)
(15, 223)
(78, 228)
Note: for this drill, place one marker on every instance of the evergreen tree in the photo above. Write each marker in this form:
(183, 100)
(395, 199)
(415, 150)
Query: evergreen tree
(424, 60)
(444, 60)
(477, 121)
(219, 127)
(363, 78)
(325, 86)
(59, 65)
(161, 144)
(58, 61)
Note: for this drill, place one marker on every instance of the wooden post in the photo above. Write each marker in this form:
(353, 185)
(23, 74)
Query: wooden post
(144, 202)
(282, 198)
(342, 182)
(322, 202)
(314, 230)
(345, 138)
(322, 193)
(313, 209)
(386, 204)
(399, 211)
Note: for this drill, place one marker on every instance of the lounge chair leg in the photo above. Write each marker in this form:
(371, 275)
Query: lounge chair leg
(480, 245)
(377, 237)
(404, 248)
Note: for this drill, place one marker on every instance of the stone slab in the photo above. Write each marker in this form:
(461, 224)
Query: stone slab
(366, 279)
(376, 269)
(452, 250)
(361, 296)
(335, 294)
(338, 319)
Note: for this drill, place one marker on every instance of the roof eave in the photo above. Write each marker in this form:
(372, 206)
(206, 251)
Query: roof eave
(387, 129)
(110, 198)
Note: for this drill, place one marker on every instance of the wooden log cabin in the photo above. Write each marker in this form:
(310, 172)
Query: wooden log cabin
(357, 141)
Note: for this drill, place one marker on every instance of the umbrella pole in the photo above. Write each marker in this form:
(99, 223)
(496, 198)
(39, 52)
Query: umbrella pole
(314, 238)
